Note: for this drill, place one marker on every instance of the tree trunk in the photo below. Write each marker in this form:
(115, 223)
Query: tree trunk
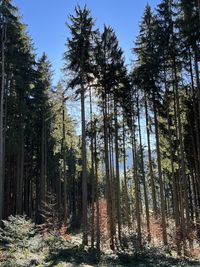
(108, 185)
(92, 169)
(162, 198)
(136, 178)
(180, 135)
(64, 161)
(153, 190)
(84, 169)
(20, 166)
(117, 171)
(127, 207)
(97, 192)
(196, 131)
(42, 176)
(143, 175)
(174, 188)
(2, 125)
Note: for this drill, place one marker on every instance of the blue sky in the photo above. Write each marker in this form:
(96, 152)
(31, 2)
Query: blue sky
(46, 23)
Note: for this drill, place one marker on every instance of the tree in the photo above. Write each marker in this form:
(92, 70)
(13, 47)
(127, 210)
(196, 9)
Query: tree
(148, 73)
(43, 86)
(79, 63)
(2, 145)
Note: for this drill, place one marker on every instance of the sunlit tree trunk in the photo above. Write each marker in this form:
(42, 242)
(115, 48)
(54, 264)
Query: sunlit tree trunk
(84, 169)
(107, 170)
(136, 177)
(118, 203)
(162, 198)
(143, 174)
(98, 234)
(127, 207)
(92, 168)
(174, 187)
(153, 190)
(180, 136)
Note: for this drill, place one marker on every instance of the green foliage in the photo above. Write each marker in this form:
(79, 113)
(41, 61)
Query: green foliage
(20, 243)
(20, 233)
(78, 58)
(54, 241)
(76, 255)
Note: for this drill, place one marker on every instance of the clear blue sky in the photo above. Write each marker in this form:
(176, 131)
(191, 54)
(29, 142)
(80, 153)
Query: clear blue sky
(46, 23)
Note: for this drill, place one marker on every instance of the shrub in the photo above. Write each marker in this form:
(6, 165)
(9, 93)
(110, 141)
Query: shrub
(20, 243)
(20, 233)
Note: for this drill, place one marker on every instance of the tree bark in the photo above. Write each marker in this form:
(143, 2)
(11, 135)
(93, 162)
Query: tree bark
(162, 198)
(84, 169)
(153, 190)
(127, 207)
(107, 169)
(64, 161)
(117, 171)
(143, 175)
(2, 124)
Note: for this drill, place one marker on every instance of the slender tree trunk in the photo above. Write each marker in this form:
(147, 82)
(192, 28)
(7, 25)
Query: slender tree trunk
(196, 131)
(143, 175)
(137, 188)
(136, 178)
(179, 184)
(196, 64)
(92, 169)
(174, 188)
(162, 199)
(195, 196)
(117, 171)
(153, 190)
(20, 178)
(42, 176)
(64, 160)
(97, 192)
(182, 156)
(48, 183)
(2, 124)
(84, 170)
(108, 185)
(58, 184)
(113, 183)
(180, 135)
(127, 207)
(197, 75)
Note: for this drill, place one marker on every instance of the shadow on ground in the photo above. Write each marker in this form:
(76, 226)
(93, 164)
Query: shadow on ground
(77, 256)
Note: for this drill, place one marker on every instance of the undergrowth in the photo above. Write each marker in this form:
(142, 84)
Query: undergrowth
(22, 244)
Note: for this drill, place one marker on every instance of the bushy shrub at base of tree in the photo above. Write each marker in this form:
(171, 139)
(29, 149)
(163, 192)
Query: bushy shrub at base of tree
(20, 233)
(20, 242)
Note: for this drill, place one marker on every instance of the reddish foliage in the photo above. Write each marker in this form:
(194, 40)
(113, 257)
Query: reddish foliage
(156, 229)
(195, 253)
(103, 218)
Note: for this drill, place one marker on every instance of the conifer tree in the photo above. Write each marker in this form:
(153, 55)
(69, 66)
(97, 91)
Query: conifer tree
(79, 63)
(148, 73)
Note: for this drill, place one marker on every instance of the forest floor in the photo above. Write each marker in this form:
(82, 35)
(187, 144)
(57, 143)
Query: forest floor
(77, 256)
(56, 252)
